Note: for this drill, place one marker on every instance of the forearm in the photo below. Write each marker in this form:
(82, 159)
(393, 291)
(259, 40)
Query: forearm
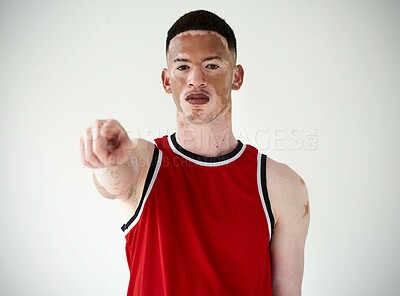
(116, 181)
(286, 289)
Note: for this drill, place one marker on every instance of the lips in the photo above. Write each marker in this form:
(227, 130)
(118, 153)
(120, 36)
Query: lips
(197, 98)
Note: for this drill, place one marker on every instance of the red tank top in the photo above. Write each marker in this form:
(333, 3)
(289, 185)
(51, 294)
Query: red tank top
(203, 225)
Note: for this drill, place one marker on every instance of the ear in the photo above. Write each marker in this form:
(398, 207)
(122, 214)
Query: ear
(166, 81)
(237, 79)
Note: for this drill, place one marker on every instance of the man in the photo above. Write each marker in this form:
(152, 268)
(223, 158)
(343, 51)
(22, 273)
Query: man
(206, 214)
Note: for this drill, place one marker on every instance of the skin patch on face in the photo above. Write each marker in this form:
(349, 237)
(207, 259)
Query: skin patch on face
(203, 33)
(200, 33)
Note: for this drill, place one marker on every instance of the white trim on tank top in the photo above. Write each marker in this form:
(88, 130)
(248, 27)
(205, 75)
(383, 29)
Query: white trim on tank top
(204, 163)
(156, 170)
(262, 195)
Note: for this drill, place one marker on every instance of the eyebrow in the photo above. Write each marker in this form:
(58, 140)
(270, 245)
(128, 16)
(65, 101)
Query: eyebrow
(180, 60)
(204, 60)
(212, 58)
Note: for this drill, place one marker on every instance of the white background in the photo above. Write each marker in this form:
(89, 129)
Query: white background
(325, 66)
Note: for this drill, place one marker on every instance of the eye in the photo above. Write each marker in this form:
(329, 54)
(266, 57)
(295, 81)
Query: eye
(212, 66)
(182, 68)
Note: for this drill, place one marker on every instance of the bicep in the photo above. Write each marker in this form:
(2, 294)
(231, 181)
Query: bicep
(289, 199)
(287, 256)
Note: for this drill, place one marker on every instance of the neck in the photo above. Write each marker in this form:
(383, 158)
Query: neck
(210, 139)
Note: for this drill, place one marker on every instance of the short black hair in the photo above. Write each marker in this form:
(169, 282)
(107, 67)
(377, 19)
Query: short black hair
(202, 20)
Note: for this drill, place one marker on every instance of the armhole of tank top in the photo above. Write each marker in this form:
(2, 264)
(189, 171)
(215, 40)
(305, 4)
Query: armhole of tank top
(262, 189)
(150, 179)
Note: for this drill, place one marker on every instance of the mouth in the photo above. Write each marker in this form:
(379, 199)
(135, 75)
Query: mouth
(197, 98)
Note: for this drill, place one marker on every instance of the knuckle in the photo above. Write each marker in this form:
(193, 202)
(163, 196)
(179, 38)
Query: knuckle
(88, 132)
(98, 151)
(92, 159)
(113, 124)
(87, 164)
(98, 123)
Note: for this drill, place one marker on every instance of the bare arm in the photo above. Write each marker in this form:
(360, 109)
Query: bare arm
(289, 201)
(116, 160)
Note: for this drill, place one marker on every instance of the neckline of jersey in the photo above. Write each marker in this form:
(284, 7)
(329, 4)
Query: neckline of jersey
(206, 160)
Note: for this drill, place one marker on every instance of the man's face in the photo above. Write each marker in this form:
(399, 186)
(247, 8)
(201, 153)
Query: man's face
(201, 74)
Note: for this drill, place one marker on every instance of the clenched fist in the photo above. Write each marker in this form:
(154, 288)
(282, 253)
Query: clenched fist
(105, 144)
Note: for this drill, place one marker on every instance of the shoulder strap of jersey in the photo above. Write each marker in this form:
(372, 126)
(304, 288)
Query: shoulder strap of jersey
(262, 188)
(150, 178)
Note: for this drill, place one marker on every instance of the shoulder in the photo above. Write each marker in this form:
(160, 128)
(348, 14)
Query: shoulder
(287, 191)
(140, 144)
(142, 149)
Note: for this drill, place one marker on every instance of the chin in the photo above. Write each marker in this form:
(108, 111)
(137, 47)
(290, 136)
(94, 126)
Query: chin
(199, 114)
(204, 119)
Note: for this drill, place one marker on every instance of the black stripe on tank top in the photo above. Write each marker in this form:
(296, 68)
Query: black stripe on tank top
(206, 158)
(145, 188)
(263, 175)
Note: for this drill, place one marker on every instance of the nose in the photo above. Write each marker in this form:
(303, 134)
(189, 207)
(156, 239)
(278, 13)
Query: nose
(196, 78)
